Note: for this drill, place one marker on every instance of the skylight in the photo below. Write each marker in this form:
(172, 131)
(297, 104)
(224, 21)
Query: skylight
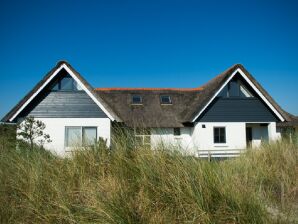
(136, 99)
(165, 99)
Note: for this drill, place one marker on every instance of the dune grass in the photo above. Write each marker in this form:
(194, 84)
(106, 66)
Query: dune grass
(129, 185)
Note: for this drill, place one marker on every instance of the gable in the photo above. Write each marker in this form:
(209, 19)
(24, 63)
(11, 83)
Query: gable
(213, 88)
(63, 97)
(237, 102)
(47, 80)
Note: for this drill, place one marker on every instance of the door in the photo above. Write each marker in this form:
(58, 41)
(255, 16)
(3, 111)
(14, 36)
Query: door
(248, 136)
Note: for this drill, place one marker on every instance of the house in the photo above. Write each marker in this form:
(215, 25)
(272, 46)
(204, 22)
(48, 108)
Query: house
(229, 113)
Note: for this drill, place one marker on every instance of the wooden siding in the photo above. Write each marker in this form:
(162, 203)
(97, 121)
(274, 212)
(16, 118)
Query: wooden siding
(63, 105)
(237, 110)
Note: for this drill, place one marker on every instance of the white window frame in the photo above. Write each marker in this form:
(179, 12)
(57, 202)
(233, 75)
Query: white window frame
(170, 100)
(143, 136)
(136, 95)
(81, 127)
(219, 143)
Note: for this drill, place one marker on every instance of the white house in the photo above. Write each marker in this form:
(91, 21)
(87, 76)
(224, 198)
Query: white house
(224, 116)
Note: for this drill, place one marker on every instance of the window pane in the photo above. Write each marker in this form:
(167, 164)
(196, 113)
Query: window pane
(139, 131)
(89, 135)
(222, 135)
(244, 92)
(56, 87)
(138, 140)
(177, 131)
(216, 139)
(224, 92)
(234, 89)
(73, 136)
(136, 99)
(147, 140)
(216, 135)
(165, 99)
(66, 83)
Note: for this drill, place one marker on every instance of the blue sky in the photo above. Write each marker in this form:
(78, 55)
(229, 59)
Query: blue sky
(149, 43)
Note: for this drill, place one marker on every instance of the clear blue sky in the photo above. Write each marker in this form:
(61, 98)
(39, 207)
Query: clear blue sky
(149, 43)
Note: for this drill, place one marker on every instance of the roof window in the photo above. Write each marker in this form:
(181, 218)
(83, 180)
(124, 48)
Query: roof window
(136, 99)
(165, 99)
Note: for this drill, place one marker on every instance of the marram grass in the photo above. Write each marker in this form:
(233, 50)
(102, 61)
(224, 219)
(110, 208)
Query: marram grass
(143, 186)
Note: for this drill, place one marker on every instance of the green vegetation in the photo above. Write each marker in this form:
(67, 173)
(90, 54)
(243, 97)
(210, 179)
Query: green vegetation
(130, 185)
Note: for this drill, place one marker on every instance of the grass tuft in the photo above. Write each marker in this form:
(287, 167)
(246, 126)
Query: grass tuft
(128, 185)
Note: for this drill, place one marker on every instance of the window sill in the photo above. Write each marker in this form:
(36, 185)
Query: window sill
(220, 145)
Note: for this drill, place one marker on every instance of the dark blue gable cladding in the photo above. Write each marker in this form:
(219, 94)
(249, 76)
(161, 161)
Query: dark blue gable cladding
(63, 101)
(237, 110)
(237, 103)
(52, 104)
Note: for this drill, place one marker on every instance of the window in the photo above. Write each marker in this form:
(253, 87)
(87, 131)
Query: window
(88, 135)
(136, 99)
(219, 134)
(66, 84)
(244, 92)
(224, 92)
(165, 100)
(73, 136)
(235, 88)
(80, 136)
(177, 132)
(142, 136)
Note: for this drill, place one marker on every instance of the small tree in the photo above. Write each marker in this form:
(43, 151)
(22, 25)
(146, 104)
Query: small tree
(31, 129)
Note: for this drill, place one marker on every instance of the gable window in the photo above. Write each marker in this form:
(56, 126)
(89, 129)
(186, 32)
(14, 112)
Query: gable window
(219, 134)
(136, 99)
(235, 88)
(177, 132)
(80, 136)
(244, 92)
(165, 99)
(67, 83)
(142, 136)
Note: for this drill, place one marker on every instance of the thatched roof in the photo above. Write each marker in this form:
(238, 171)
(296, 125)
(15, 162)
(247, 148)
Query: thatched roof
(293, 122)
(151, 113)
(186, 102)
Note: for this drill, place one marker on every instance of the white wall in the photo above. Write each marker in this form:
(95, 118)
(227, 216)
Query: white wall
(190, 141)
(55, 127)
(235, 136)
(273, 133)
(166, 137)
(198, 138)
